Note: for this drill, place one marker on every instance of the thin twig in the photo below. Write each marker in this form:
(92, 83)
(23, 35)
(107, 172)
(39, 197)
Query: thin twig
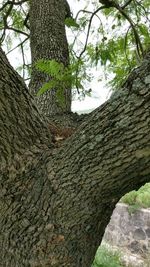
(23, 59)
(26, 21)
(86, 41)
(18, 31)
(88, 31)
(17, 46)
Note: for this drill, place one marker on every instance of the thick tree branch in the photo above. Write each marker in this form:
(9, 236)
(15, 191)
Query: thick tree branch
(108, 156)
(22, 105)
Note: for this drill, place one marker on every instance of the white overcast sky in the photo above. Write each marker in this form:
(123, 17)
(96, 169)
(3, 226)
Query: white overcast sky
(99, 90)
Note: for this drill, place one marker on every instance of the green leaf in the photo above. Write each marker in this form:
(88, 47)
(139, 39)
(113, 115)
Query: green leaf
(71, 22)
(50, 67)
(47, 86)
(143, 29)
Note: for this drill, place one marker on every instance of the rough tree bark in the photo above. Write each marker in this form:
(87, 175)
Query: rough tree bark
(56, 202)
(48, 41)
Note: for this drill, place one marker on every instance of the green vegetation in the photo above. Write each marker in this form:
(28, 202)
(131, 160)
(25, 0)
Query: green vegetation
(106, 258)
(62, 77)
(138, 199)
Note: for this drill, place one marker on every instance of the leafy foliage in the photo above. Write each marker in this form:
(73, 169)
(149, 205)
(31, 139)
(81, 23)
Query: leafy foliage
(112, 41)
(117, 51)
(138, 199)
(14, 35)
(106, 258)
(61, 77)
(16, 17)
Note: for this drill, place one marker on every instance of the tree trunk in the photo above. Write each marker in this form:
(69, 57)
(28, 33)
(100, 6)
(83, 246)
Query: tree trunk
(48, 41)
(56, 202)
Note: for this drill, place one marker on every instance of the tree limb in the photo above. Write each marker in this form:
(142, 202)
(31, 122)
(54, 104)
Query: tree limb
(12, 3)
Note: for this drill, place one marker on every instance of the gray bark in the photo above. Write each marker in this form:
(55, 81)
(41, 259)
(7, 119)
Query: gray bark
(48, 41)
(56, 202)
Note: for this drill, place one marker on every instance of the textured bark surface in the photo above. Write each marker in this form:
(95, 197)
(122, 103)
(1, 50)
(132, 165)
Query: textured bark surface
(56, 202)
(20, 122)
(48, 41)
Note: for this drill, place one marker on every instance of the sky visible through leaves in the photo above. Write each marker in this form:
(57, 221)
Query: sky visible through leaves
(107, 39)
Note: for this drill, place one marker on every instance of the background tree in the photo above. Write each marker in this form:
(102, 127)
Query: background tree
(56, 199)
(48, 41)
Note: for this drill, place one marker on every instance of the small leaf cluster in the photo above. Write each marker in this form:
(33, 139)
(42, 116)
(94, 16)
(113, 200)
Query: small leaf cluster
(17, 19)
(71, 22)
(62, 77)
(117, 55)
(59, 78)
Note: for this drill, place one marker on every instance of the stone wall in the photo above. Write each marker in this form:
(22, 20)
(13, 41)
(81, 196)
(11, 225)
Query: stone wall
(130, 233)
